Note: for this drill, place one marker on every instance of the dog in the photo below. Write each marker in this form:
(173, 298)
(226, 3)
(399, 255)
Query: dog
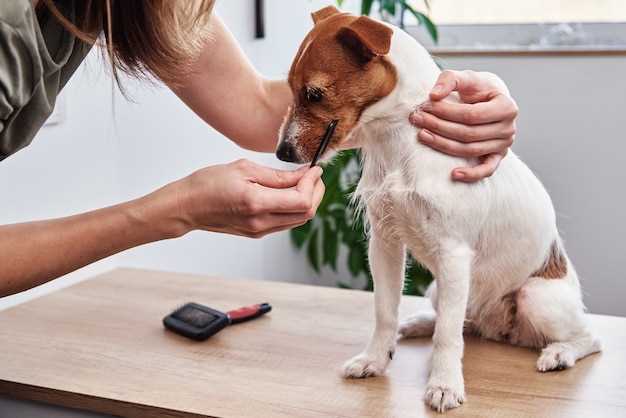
(500, 267)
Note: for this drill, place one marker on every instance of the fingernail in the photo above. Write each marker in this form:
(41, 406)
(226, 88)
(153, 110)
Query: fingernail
(437, 89)
(319, 169)
(417, 118)
(425, 136)
(426, 107)
(459, 175)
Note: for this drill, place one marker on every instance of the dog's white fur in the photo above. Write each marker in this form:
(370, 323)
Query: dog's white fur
(481, 241)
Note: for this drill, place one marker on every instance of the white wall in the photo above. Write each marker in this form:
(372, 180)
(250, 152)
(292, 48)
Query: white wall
(569, 134)
(69, 167)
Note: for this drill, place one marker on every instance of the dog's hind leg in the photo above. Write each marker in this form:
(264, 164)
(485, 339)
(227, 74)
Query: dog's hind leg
(387, 258)
(551, 311)
(563, 355)
(422, 324)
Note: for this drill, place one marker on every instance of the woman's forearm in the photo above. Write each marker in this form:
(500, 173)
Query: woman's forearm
(227, 92)
(36, 252)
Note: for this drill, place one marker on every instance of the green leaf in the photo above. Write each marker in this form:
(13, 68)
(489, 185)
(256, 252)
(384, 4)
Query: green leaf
(330, 245)
(422, 19)
(417, 278)
(389, 6)
(300, 234)
(313, 251)
(340, 3)
(366, 7)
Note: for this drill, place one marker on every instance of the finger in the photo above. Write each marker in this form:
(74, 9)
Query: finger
(459, 149)
(277, 222)
(253, 231)
(461, 132)
(479, 172)
(499, 108)
(449, 81)
(446, 84)
(273, 230)
(295, 199)
(274, 178)
(318, 195)
(307, 183)
(268, 223)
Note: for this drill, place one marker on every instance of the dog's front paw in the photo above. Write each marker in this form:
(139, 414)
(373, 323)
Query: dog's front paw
(442, 397)
(365, 365)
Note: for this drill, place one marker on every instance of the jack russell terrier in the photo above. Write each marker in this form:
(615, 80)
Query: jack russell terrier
(500, 267)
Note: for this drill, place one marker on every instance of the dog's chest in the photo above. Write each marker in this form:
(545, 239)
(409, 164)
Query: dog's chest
(398, 212)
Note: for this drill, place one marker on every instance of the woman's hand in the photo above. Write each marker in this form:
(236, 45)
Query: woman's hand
(481, 125)
(247, 199)
(238, 198)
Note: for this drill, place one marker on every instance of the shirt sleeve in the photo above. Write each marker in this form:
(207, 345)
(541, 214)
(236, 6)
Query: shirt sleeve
(17, 80)
(37, 58)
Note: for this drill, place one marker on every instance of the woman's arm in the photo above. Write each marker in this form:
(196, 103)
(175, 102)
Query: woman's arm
(227, 92)
(240, 198)
(35, 252)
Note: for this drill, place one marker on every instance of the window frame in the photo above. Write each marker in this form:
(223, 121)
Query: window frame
(525, 38)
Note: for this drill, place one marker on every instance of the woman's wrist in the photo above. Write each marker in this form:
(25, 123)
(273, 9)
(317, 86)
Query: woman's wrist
(160, 214)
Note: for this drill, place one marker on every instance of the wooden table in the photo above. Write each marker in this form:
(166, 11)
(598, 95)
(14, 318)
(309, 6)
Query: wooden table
(100, 346)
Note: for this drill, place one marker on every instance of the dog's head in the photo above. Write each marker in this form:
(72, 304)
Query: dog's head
(339, 70)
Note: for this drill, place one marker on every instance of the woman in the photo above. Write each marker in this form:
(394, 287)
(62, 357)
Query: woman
(42, 42)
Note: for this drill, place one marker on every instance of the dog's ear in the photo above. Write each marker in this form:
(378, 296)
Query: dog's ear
(366, 37)
(322, 14)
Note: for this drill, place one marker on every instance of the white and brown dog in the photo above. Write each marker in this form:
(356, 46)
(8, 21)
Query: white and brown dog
(493, 247)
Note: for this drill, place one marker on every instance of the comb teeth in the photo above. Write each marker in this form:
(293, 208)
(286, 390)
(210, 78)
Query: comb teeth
(330, 130)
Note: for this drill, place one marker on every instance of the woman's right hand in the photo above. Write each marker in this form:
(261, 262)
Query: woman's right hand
(244, 198)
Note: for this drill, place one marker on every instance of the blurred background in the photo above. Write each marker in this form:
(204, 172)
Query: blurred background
(563, 60)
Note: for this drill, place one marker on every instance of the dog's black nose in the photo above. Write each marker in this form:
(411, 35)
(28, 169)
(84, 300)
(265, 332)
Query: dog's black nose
(286, 152)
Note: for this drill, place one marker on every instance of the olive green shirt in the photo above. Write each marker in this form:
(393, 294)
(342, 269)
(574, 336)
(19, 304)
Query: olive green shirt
(37, 58)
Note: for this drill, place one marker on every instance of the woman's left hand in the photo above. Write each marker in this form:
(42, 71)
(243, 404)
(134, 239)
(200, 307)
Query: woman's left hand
(481, 125)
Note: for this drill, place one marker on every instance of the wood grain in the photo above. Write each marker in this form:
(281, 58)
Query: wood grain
(100, 346)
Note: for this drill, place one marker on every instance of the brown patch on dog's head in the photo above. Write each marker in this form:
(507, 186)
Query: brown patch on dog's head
(339, 70)
(323, 13)
(555, 266)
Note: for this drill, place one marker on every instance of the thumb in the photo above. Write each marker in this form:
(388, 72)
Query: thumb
(277, 179)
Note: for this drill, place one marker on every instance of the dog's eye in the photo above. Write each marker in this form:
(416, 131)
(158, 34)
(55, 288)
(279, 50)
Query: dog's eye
(313, 94)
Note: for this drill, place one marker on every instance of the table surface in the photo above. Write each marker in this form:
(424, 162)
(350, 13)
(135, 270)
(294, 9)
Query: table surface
(100, 346)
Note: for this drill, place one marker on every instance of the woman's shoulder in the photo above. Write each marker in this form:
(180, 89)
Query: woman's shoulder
(14, 13)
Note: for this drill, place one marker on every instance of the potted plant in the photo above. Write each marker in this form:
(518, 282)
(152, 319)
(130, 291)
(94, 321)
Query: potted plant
(338, 223)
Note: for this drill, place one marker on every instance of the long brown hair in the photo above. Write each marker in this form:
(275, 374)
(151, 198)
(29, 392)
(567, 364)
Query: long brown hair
(142, 38)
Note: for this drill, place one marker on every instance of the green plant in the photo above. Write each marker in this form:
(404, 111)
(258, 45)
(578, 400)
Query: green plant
(337, 223)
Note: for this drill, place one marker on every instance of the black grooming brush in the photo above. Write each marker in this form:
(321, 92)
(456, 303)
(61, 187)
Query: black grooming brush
(199, 322)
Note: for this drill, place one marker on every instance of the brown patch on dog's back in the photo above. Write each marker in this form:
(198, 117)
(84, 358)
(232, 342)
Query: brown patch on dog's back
(555, 266)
